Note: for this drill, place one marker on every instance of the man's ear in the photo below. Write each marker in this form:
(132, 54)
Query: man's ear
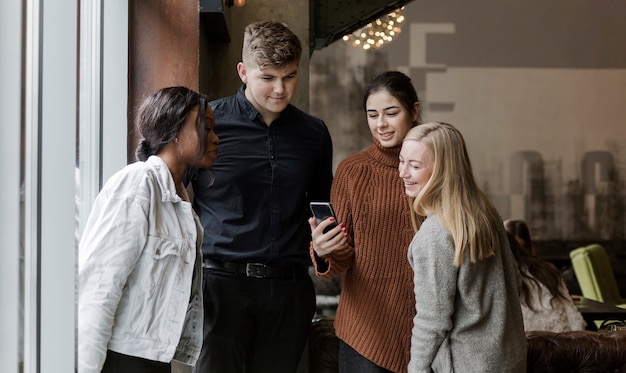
(243, 75)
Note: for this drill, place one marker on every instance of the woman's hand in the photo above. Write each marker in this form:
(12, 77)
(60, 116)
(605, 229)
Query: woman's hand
(326, 243)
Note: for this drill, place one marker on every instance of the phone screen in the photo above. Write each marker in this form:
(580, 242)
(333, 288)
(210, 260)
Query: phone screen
(322, 211)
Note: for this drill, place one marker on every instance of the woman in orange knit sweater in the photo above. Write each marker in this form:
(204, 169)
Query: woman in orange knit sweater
(376, 307)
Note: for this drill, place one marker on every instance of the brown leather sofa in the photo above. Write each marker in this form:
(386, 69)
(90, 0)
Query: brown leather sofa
(580, 351)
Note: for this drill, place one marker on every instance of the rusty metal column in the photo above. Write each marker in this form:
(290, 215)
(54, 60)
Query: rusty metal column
(163, 51)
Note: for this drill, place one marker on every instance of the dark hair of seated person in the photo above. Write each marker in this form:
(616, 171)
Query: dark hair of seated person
(519, 229)
(535, 269)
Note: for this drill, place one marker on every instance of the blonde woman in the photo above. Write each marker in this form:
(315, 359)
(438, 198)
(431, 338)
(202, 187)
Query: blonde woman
(466, 290)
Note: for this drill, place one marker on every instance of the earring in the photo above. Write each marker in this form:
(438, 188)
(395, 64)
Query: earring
(176, 140)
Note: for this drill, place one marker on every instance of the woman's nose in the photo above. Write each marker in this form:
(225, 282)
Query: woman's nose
(401, 170)
(381, 121)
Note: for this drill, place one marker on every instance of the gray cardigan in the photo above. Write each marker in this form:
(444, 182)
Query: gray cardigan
(468, 318)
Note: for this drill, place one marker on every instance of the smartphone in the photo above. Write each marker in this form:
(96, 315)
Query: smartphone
(322, 211)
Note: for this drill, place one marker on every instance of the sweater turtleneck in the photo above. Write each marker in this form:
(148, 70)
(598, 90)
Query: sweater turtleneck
(386, 156)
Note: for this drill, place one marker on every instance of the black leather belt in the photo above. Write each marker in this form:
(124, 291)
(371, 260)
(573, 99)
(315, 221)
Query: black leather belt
(256, 270)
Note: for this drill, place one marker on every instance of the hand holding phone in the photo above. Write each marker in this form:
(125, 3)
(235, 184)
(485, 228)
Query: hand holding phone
(322, 211)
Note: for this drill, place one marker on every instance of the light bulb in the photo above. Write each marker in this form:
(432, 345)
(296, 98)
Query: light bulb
(377, 33)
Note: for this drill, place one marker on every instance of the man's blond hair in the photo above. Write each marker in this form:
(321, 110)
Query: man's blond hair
(270, 44)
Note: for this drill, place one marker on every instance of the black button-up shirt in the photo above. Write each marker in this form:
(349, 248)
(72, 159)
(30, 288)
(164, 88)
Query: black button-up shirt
(256, 211)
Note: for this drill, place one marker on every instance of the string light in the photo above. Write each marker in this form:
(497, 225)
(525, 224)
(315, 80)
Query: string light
(377, 33)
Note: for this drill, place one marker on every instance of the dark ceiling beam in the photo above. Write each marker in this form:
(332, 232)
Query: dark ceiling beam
(332, 19)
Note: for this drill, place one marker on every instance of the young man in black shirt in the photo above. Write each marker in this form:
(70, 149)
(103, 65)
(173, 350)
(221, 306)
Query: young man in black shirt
(273, 159)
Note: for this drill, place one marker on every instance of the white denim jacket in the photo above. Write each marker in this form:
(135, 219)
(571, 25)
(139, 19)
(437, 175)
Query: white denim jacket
(140, 271)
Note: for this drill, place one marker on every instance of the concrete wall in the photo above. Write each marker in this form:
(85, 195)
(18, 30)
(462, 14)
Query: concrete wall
(518, 78)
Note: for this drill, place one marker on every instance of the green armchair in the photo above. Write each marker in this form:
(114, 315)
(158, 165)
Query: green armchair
(595, 275)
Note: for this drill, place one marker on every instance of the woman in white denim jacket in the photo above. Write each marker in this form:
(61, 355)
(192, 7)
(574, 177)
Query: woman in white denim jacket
(140, 259)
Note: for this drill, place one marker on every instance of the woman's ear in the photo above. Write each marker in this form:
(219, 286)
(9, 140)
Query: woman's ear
(416, 110)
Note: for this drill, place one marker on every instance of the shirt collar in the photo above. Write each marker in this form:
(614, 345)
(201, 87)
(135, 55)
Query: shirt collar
(250, 111)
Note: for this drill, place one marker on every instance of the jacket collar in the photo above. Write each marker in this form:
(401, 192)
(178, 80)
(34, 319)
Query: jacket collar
(164, 179)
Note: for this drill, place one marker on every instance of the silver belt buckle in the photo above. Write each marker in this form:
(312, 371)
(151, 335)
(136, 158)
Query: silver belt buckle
(255, 270)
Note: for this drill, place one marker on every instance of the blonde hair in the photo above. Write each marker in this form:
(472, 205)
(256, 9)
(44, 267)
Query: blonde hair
(452, 194)
(269, 43)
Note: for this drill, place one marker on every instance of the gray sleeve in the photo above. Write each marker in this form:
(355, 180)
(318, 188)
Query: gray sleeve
(435, 281)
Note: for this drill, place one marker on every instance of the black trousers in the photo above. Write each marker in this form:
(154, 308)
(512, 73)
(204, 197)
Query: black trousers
(351, 361)
(120, 363)
(254, 325)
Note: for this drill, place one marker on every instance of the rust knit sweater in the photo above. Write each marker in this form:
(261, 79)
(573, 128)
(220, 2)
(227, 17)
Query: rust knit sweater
(377, 304)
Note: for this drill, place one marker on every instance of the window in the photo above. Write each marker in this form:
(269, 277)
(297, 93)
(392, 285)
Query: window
(61, 112)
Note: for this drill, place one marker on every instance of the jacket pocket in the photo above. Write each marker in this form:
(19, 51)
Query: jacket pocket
(153, 287)
(160, 262)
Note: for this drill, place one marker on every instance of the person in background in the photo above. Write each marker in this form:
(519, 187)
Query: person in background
(545, 300)
(274, 159)
(139, 259)
(521, 233)
(468, 312)
(376, 306)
